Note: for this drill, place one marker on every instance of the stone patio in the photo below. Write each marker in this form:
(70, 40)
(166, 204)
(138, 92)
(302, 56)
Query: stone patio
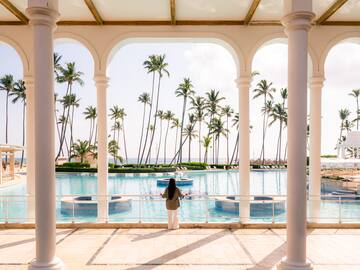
(182, 249)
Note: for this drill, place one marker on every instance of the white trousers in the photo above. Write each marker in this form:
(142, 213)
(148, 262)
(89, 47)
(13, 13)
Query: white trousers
(173, 221)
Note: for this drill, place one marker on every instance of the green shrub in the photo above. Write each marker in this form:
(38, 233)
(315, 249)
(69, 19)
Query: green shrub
(75, 169)
(75, 165)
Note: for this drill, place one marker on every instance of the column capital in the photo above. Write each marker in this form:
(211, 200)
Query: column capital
(29, 79)
(316, 82)
(43, 12)
(298, 20)
(243, 81)
(101, 81)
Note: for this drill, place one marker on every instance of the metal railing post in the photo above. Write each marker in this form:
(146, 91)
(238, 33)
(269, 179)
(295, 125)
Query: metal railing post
(273, 210)
(339, 209)
(73, 210)
(140, 208)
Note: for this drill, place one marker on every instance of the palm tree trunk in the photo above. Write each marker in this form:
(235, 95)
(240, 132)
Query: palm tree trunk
(158, 150)
(114, 129)
(280, 139)
(124, 139)
(176, 137)
(218, 148)
(189, 157)
(23, 135)
(199, 140)
(62, 126)
(96, 132)
(262, 154)
(235, 147)
(71, 129)
(149, 119)
(227, 140)
(6, 122)
(155, 118)
(166, 135)
(181, 131)
(357, 113)
(142, 133)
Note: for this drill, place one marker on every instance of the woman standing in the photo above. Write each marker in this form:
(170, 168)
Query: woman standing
(172, 195)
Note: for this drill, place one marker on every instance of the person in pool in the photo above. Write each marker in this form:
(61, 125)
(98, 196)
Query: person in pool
(172, 194)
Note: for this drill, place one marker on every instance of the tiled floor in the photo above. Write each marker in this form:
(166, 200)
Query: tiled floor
(182, 249)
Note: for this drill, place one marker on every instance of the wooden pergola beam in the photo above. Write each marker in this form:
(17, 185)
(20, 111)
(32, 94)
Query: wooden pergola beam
(251, 11)
(17, 13)
(173, 11)
(330, 11)
(94, 12)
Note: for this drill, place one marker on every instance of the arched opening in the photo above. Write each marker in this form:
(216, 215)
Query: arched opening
(12, 102)
(208, 65)
(268, 118)
(75, 93)
(341, 78)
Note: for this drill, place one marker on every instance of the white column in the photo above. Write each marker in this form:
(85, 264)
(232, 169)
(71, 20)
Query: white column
(30, 141)
(243, 84)
(316, 85)
(101, 82)
(297, 22)
(43, 16)
(30, 147)
(1, 168)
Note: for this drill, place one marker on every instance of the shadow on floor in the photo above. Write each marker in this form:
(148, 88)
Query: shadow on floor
(67, 233)
(179, 252)
(150, 235)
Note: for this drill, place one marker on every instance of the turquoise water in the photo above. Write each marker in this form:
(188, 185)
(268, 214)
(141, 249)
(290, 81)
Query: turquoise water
(152, 208)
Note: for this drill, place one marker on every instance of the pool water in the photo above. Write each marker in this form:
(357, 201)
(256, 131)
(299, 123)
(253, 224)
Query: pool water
(151, 208)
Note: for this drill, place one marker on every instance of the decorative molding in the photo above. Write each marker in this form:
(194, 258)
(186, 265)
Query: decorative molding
(173, 11)
(251, 11)
(94, 11)
(17, 13)
(330, 11)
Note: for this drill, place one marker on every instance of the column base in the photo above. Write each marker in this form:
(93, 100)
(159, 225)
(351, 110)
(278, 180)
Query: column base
(285, 265)
(55, 264)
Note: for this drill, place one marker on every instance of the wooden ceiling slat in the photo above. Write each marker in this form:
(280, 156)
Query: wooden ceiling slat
(173, 11)
(251, 11)
(330, 11)
(94, 11)
(10, 7)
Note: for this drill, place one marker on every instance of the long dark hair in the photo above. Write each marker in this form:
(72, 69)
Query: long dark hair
(171, 188)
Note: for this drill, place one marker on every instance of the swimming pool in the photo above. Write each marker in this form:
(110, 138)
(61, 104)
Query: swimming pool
(147, 206)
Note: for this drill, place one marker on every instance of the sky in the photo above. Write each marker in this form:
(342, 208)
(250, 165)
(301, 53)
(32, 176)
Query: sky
(209, 66)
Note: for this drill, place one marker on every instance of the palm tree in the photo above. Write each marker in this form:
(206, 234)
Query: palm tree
(175, 124)
(264, 89)
(168, 116)
(70, 76)
(116, 128)
(19, 94)
(217, 128)
(113, 149)
(91, 114)
(57, 65)
(80, 149)
(185, 90)
(190, 132)
(122, 119)
(161, 69)
(115, 113)
(144, 98)
(278, 113)
(206, 144)
(227, 111)
(356, 93)
(198, 105)
(7, 85)
(235, 121)
(212, 105)
(151, 66)
(161, 115)
(69, 102)
(343, 114)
